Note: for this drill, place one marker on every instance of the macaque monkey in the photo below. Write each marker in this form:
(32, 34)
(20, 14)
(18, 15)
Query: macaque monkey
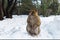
(33, 23)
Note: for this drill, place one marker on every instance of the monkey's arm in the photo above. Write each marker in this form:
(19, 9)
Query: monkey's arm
(28, 20)
(38, 21)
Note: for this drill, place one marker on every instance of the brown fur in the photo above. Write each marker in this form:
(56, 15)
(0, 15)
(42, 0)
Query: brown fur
(33, 23)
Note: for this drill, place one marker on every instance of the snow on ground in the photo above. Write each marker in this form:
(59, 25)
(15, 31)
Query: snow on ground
(15, 28)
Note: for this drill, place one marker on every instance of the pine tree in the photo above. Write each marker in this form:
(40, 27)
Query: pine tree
(37, 5)
(43, 7)
(26, 5)
(54, 7)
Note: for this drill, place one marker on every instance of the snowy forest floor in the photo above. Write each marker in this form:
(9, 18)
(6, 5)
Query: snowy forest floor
(15, 28)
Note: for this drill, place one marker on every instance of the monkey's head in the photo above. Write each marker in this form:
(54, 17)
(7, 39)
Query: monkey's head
(33, 12)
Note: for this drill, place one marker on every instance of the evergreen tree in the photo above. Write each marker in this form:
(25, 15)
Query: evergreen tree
(25, 6)
(54, 6)
(45, 7)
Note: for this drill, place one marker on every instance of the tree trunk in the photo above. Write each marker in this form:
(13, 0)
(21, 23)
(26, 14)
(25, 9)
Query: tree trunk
(10, 7)
(4, 5)
(1, 10)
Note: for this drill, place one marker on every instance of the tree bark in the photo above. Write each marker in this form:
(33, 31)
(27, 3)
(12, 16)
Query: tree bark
(1, 10)
(10, 7)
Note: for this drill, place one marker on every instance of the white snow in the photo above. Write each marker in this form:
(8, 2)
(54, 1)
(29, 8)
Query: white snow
(15, 28)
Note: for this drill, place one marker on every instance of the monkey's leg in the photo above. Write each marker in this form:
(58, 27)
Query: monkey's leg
(36, 30)
(29, 30)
